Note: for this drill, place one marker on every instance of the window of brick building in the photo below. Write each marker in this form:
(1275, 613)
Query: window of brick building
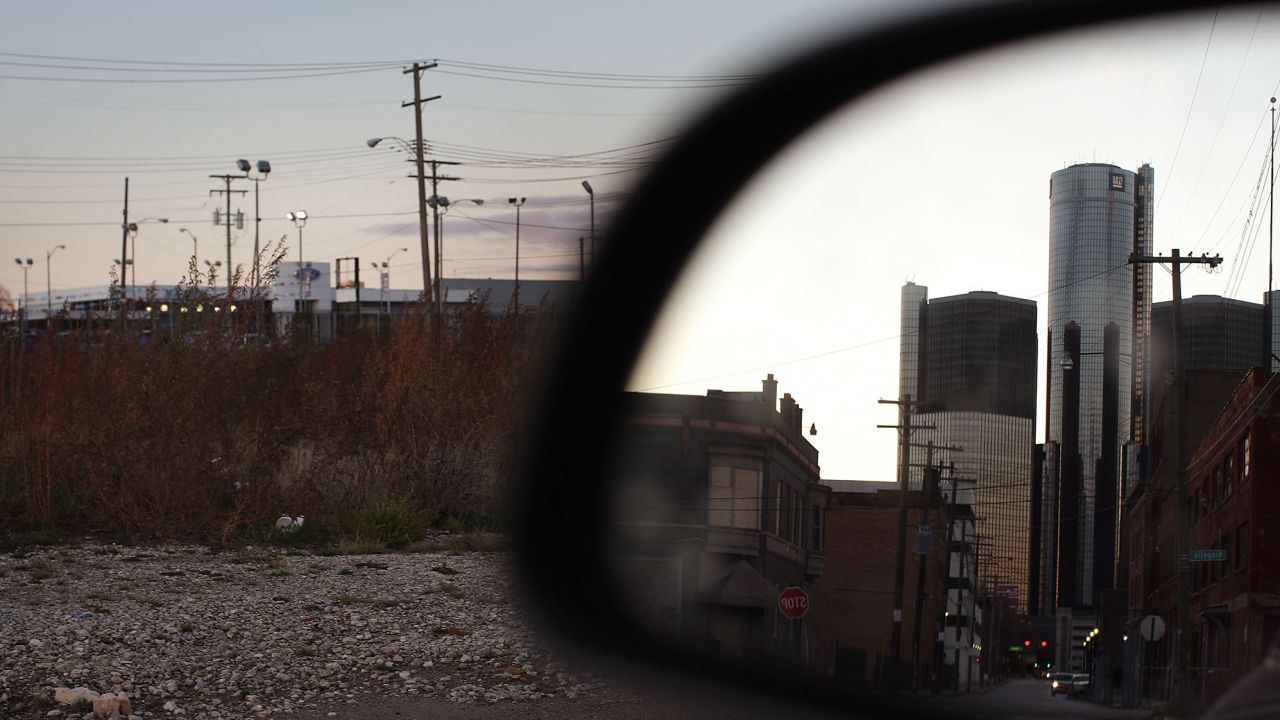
(734, 496)
(1242, 546)
(1246, 464)
(817, 513)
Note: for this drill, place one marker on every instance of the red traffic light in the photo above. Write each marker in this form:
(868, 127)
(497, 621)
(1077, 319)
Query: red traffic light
(1044, 643)
(1026, 643)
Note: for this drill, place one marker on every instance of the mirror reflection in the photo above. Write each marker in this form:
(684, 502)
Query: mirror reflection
(964, 286)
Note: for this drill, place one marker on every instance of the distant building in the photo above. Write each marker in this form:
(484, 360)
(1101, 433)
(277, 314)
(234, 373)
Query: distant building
(1099, 315)
(969, 363)
(718, 510)
(311, 289)
(1218, 334)
(854, 602)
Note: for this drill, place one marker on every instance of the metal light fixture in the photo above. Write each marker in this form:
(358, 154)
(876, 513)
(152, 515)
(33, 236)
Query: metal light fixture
(264, 169)
(48, 281)
(299, 220)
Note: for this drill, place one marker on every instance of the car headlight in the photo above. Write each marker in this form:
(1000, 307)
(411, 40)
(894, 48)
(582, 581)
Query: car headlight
(1055, 683)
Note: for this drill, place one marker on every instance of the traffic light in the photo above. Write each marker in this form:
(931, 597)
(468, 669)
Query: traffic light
(1026, 643)
(1044, 643)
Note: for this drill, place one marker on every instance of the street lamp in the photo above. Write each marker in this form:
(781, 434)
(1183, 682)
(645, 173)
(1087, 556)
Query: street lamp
(48, 283)
(299, 220)
(264, 168)
(441, 203)
(22, 307)
(133, 247)
(385, 272)
(592, 194)
(417, 151)
(518, 202)
(195, 244)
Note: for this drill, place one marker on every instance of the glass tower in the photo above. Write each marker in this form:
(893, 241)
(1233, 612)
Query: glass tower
(970, 364)
(1099, 215)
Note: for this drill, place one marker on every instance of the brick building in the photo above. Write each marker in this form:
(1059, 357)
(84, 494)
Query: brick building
(1235, 602)
(853, 607)
(718, 509)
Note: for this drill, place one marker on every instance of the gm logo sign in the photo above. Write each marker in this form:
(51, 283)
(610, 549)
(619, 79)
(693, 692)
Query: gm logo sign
(1117, 182)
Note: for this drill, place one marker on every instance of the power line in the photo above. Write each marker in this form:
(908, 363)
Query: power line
(1190, 107)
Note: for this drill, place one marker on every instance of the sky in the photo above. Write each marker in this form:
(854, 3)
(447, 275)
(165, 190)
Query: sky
(943, 179)
(167, 94)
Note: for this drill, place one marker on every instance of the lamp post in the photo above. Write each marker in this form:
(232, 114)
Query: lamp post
(22, 306)
(592, 194)
(264, 168)
(48, 282)
(133, 248)
(518, 202)
(416, 150)
(299, 220)
(195, 244)
(386, 275)
(442, 203)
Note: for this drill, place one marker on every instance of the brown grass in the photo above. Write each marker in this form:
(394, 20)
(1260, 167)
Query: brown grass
(208, 438)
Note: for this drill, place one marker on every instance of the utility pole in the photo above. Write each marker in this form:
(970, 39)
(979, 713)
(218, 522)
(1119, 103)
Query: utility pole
(228, 218)
(1182, 648)
(436, 177)
(582, 262)
(124, 250)
(1271, 241)
(420, 152)
(928, 487)
(904, 428)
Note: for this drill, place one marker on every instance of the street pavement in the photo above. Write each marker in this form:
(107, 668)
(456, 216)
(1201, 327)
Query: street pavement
(1025, 698)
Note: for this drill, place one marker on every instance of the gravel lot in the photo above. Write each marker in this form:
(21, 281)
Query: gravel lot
(265, 632)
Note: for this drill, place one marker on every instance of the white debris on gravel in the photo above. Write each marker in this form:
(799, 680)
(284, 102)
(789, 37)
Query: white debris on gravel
(260, 632)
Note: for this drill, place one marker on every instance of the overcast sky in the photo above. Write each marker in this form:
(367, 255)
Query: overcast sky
(93, 92)
(943, 180)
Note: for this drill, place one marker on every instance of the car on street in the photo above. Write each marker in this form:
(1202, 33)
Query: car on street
(1060, 682)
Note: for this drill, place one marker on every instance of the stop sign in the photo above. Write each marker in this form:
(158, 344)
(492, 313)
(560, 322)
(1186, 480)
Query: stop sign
(793, 602)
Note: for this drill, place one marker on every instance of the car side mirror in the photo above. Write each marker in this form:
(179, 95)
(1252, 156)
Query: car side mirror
(568, 500)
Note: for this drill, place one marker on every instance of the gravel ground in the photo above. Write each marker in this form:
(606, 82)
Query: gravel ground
(261, 632)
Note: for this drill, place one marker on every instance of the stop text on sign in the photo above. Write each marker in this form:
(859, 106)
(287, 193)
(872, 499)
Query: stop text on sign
(793, 602)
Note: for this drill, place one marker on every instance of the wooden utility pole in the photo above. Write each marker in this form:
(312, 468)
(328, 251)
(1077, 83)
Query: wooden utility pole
(928, 487)
(124, 253)
(904, 427)
(227, 219)
(419, 153)
(436, 178)
(1182, 648)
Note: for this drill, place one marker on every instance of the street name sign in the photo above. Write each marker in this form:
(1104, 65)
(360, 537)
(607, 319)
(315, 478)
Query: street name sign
(1208, 555)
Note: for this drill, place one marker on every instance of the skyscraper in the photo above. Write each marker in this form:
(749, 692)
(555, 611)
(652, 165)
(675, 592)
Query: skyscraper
(969, 363)
(1099, 317)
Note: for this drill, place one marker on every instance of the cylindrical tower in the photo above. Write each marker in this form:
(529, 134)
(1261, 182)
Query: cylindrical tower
(1092, 212)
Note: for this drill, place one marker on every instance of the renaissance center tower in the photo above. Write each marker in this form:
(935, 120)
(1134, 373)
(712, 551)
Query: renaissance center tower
(1099, 316)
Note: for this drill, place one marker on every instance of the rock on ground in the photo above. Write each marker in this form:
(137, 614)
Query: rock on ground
(264, 632)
